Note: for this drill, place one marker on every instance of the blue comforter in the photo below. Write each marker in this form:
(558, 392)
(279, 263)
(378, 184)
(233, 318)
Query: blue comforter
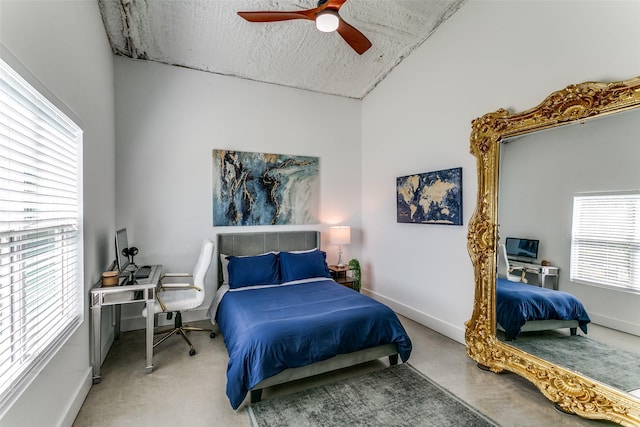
(267, 330)
(516, 303)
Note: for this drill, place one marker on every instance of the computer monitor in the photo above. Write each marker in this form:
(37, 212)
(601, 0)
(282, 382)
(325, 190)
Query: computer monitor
(122, 250)
(522, 248)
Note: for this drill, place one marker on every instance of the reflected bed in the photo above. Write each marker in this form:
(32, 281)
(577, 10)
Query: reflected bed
(521, 308)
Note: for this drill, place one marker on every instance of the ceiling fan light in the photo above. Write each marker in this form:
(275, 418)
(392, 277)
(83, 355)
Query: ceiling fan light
(327, 21)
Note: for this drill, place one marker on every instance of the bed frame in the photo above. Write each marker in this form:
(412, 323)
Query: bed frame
(544, 325)
(257, 243)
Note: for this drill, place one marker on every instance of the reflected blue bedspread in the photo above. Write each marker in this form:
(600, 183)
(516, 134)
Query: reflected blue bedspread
(516, 303)
(267, 330)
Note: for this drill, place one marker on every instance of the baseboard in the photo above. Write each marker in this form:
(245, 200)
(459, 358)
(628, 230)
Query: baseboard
(78, 399)
(454, 332)
(447, 329)
(617, 324)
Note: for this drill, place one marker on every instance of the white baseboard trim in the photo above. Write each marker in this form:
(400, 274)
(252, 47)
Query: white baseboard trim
(78, 399)
(454, 332)
(613, 323)
(447, 329)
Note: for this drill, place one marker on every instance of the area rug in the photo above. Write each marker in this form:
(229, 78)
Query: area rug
(394, 396)
(615, 367)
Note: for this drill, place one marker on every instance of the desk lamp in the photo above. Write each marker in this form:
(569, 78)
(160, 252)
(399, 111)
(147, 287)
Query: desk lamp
(340, 235)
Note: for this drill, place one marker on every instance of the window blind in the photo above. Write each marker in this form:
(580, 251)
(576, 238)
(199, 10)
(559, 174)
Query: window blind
(605, 243)
(41, 301)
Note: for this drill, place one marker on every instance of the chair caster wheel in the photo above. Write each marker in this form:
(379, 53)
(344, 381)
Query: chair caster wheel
(212, 335)
(192, 352)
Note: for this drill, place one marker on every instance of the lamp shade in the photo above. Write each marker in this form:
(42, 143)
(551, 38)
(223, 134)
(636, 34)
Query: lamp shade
(327, 21)
(340, 235)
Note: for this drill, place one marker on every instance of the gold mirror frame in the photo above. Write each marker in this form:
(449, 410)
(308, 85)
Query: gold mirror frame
(571, 391)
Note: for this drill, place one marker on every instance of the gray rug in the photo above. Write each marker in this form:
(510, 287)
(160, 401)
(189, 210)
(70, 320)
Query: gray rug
(394, 396)
(616, 367)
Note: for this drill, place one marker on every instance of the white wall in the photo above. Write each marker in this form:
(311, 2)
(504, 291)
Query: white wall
(489, 55)
(169, 119)
(64, 46)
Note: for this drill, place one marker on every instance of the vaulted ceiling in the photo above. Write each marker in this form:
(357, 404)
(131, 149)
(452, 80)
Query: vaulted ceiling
(209, 35)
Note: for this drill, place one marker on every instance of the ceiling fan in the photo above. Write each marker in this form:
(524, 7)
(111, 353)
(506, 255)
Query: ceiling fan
(326, 18)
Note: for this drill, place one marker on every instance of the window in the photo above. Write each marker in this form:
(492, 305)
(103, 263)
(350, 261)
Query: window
(41, 295)
(605, 243)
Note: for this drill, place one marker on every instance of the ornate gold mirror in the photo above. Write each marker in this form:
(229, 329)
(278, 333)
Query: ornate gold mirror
(570, 390)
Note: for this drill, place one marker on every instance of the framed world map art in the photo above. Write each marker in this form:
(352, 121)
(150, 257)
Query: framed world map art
(264, 189)
(430, 198)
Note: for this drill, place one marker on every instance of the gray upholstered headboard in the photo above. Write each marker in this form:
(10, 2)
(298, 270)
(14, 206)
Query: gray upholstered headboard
(261, 242)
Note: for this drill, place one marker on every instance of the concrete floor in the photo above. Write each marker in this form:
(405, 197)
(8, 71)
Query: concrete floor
(190, 391)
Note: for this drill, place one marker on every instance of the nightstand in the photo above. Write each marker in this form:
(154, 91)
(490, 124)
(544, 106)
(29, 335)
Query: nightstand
(339, 274)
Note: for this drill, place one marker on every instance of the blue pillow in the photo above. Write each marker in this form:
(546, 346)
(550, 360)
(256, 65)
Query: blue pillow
(296, 266)
(253, 270)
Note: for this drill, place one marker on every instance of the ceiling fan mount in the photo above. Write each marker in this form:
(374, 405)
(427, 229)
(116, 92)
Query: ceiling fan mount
(327, 18)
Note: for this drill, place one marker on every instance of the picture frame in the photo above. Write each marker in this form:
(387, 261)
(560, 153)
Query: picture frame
(264, 189)
(430, 197)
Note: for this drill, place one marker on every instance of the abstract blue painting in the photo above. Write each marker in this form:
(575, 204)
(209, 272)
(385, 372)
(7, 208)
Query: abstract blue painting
(264, 189)
(430, 198)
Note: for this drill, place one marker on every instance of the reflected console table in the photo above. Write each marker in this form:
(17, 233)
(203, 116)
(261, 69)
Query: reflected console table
(542, 271)
(143, 290)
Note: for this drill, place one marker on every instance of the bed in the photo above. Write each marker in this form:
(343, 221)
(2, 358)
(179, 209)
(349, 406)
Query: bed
(283, 318)
(522, 308)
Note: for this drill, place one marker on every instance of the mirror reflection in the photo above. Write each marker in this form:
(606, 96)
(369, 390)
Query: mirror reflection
(565, 196)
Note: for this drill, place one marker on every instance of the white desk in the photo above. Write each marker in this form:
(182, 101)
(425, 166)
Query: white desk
(144, 290)
(543, 271)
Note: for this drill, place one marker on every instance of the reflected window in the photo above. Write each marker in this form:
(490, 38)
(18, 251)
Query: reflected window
(605, 240)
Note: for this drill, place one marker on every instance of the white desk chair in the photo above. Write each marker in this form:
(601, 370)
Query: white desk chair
(174, 298)
(505, 269)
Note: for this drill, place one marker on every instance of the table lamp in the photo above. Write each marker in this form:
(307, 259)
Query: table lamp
(340, 235)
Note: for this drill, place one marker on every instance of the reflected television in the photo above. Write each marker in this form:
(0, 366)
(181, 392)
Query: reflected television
(526, 249)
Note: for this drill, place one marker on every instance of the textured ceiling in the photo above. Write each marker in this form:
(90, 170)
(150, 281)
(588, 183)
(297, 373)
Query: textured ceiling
(208, 35)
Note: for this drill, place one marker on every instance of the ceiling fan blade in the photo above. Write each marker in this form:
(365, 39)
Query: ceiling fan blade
(310, 14)
(334, 4)
(278, 16)
(353, 37)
